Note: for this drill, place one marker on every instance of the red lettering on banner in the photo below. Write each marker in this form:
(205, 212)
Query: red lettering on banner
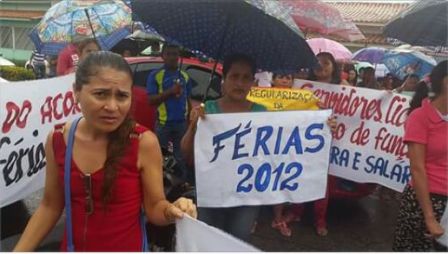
(16, 115)
(57, 115)
(340, 131)
(45, 110)
(373, 109)
(59, 106)
(360, 136)
(348, 105)
(69, 104)
(397, 111)
(389, 143)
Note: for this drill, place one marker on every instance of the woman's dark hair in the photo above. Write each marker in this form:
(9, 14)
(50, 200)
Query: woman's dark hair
(356, 76)
(436, 78)
(118, 139)
(169, 46)
(437, 75)
(335, 76)
(277, 74)
(421, 92)
(238, 58)
(82, 44)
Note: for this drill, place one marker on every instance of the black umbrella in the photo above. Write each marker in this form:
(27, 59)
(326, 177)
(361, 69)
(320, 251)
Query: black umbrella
(262, 29)
(423, 23)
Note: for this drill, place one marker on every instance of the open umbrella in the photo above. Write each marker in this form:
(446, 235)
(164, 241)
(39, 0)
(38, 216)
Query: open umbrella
(262, 29)
(404, 62)
(319, 17)
(339, 51)
(424, 23)
(373, 55)
(108, 21)
(351, 32)
(141, 30)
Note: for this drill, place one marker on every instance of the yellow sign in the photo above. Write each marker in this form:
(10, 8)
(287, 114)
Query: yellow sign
(279, 99)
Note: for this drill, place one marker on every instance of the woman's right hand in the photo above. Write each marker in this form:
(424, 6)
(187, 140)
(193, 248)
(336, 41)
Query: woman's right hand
(434, 228)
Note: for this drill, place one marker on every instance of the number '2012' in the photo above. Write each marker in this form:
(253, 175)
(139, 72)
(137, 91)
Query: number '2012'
(264, 176)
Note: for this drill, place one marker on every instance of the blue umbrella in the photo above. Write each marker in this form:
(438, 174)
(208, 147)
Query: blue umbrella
(373, 55)
(262, 29)
(404, 62)
(108, 21)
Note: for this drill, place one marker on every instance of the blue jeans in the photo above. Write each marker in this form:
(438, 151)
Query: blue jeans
(173, 132)
(39, 71)
(237, 221)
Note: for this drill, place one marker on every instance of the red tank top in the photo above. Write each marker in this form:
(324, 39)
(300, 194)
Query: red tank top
(116, 228)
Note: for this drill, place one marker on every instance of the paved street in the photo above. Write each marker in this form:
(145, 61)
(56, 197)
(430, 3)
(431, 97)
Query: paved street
(363, 225)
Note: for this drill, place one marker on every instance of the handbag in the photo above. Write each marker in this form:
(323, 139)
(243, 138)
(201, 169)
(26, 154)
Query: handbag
(67, 194)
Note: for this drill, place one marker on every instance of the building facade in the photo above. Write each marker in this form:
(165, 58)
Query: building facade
(17, 18)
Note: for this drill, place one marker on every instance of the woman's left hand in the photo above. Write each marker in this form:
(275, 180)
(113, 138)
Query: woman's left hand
(332, 123)
(177, 209)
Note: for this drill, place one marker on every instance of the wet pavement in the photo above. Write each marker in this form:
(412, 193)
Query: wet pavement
(354, 225)
(362, 225)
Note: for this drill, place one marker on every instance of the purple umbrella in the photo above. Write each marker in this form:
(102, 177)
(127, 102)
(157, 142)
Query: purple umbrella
(373, 55)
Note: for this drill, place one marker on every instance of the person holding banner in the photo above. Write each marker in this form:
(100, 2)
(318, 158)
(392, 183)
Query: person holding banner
(424, 200)
(114, 169)
(328, 70)
(280, 222)
(238, 78)
(327, 73)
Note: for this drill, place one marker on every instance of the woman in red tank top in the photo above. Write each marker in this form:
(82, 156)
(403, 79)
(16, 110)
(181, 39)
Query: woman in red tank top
(116, 168)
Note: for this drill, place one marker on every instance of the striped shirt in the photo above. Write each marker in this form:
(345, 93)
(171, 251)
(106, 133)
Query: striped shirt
(37, 58)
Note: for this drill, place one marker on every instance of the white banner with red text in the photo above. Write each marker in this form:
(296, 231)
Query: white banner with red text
(368, 144)
(28, 112)
(261, 158)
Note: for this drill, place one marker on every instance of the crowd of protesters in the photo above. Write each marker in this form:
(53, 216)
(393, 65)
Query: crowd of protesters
(424, 200)
(49, 66)
(106, 138)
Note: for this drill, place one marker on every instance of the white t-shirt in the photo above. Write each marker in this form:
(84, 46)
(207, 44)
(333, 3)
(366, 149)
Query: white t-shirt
(264, 79)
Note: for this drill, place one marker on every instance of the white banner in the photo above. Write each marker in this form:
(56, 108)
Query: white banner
(196, 236)
(262, 158)
(368, 143)
(28, 111)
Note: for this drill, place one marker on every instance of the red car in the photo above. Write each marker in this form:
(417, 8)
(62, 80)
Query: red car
(199, 72)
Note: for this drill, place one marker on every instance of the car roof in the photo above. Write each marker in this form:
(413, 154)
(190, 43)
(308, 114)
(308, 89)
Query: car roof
(190, 61)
